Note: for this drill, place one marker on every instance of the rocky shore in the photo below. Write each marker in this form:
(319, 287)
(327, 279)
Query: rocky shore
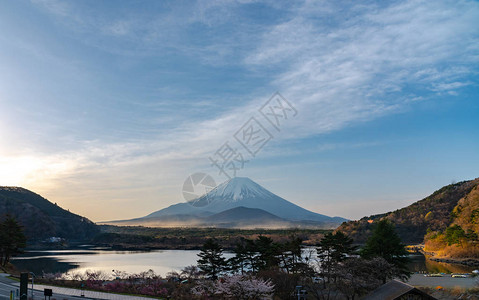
(463, 261)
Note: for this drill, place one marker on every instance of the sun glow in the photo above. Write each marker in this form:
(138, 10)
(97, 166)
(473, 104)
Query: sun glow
(15, 171)
(30, 171)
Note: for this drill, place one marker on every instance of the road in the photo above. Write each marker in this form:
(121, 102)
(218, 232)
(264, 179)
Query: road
(6, 288)
(7, 285)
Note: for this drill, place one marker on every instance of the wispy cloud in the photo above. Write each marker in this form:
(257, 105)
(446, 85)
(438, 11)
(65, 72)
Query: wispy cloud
(60, 8)
(338, 63)
(363, 65)
(196, 30)
(336, 72)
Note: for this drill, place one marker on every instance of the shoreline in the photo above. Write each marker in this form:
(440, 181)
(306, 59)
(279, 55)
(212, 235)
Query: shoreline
(114, 247)
(462, 261)
(473, 262)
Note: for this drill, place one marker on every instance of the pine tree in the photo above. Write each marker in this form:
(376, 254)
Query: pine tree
(239, 262)
(291, 256)
(385, 242)
(337, 246)
(268, 253)
(211, 262)
(333, 249)
(12, 239)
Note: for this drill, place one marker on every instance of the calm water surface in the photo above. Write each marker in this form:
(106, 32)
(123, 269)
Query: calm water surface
(160, 261)
(419, 263)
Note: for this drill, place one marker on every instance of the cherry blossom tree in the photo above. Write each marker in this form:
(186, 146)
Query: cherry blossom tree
(244, 287)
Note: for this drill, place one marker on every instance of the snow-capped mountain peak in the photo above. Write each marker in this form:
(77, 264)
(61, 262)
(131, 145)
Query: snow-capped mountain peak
(239, 188)
(243, 192)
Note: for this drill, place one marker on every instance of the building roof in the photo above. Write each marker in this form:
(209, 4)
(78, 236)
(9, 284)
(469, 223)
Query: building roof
(394, 289)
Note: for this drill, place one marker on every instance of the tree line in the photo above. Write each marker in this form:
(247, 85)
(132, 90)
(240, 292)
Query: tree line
(252, 256)
(336, 269)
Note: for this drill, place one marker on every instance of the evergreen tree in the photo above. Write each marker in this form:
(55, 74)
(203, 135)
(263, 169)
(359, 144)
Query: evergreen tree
(237, 263)
(268, 253)
(251, 255)
(336, 246)
(454, 234)
(12, 239)
(291, 256)
(211, 262)
(385, 242)
(333, 249)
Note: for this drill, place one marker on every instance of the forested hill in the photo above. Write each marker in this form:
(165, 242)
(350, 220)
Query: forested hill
(41, 218)
(412, 222)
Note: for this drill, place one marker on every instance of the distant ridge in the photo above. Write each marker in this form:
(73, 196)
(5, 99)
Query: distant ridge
(41, 218)
(434, 213)
(242, 213)
(243, 217)
(250, 198)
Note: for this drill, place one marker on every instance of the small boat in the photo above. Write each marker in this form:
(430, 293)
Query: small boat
(459, 275)
(434, 275)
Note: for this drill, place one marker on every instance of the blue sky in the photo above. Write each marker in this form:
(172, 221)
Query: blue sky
(107, 106)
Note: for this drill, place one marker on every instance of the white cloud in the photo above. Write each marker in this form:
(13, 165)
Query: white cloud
(361, 66)
(338, 65)
(446, 86)
(60, 8)
(354, 69)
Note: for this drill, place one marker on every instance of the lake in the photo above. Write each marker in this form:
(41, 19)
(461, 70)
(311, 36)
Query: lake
(420, 263)
(52, 261)
(80, 260)
(160, 261)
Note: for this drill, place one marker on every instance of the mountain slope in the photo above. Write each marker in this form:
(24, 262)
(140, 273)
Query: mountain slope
(41, 218)
(243, 217)
(243, 214)
(244, 192)
(412, 222)
(180, 209)
(238, 217)
(171, 220)
(460, 239)
(466, 212)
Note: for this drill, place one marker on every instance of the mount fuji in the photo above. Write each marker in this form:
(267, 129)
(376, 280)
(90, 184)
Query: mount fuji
(238, 202)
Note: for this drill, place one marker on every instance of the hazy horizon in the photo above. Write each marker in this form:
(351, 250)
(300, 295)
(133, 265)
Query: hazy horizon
(107, 107)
